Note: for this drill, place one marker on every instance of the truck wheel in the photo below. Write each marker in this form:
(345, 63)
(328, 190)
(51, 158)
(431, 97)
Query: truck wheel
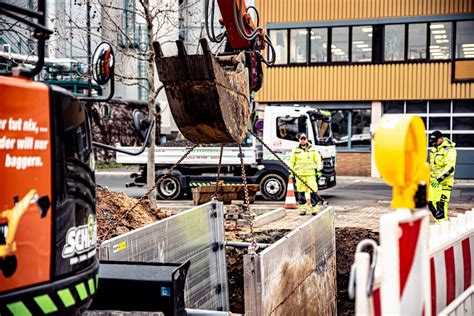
(273, 187)
(169, 188)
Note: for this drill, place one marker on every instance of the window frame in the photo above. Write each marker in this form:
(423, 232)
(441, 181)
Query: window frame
(318, 63)
(376, 42)
(304, 63)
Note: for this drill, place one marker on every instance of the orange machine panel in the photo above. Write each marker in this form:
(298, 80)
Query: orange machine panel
(25, 164)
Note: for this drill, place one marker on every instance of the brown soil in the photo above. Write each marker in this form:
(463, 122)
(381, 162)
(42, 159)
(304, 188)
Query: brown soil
(347, 239)
(115, 215)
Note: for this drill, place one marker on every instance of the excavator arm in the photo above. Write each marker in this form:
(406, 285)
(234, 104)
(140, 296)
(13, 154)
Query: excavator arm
(209, 94)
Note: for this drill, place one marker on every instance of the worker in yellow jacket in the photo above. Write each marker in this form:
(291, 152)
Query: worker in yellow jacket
(442, 163)
(306, 162)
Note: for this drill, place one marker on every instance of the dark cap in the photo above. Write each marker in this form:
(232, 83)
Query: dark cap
(302, 135)
(435, 136)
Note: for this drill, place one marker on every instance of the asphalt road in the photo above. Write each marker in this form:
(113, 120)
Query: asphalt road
(349, 190)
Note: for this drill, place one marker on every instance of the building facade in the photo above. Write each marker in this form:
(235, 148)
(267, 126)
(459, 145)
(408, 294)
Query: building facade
(361, 59)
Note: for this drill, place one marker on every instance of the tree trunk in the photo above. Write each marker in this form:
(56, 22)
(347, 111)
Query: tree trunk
(150, 176)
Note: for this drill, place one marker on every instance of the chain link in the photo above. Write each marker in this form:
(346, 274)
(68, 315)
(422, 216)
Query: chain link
(140, 200)
(218, 171)
(287, 167)
(253, 244)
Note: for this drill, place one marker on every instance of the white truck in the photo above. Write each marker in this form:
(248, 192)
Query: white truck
(281, 126)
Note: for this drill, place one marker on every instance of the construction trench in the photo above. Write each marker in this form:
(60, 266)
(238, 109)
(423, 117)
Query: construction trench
(303, 264)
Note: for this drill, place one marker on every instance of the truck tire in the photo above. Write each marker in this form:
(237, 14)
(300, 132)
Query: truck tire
(169, 188)
(273, 187)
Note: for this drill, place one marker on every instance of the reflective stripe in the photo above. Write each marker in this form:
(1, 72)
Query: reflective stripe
(81, 290)
(46, 304)
(66, 297)
(18, 308)
(91, 286)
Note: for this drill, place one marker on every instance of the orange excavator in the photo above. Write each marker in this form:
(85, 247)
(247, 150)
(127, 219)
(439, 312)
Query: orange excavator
(48, 228)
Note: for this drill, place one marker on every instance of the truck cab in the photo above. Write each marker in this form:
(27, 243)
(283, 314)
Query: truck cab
(283, 124)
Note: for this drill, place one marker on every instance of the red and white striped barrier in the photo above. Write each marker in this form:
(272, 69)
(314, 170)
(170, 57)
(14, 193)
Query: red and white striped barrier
(451, 260)
(421, 268)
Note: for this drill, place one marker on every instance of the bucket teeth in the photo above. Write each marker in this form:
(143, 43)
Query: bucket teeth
(205, 46)
(181, 48)
(158, 51)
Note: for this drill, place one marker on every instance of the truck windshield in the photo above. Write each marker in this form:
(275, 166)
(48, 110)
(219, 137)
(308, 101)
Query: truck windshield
(323, 132)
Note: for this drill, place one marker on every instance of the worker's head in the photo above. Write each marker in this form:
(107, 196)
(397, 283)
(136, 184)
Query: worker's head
(436, 138)
(303, 140)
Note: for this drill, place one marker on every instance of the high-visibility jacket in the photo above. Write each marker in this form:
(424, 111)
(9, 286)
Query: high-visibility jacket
(307, 161)
(443, 161)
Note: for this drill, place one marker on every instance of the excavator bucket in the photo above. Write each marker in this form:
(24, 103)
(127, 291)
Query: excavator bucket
(208, 96)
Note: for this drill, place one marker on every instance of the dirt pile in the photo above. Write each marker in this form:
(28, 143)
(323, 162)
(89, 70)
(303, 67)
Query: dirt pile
(115, 215)
(347, 239)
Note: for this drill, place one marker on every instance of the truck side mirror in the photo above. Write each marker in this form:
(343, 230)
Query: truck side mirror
(103, 62)
(141, 124)
(302, 128)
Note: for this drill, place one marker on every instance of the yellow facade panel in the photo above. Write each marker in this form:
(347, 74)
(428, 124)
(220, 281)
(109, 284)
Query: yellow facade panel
(362, 83)
(324, 10)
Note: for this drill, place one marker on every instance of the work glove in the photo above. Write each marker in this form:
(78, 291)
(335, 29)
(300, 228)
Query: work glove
(434, 183)
(319, 174)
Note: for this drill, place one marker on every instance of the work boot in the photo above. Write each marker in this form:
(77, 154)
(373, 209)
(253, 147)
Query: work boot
(314, 210)
(302, 209)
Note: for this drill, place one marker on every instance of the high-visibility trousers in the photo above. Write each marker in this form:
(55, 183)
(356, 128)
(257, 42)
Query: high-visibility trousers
(438, 201)
(301, 189)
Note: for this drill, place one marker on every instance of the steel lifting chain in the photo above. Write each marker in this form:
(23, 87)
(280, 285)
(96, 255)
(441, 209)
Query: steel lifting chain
(253, 243)
(214, 196)
(114, 225)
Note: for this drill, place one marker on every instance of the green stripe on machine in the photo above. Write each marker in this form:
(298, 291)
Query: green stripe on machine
(97, 281)
(81, 290)
(46, 304)
(66, 296)
(91, 286)
(18, 308)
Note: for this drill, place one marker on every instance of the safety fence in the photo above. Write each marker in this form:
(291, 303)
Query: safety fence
(296, 273)
(196, 235)
(418, 269)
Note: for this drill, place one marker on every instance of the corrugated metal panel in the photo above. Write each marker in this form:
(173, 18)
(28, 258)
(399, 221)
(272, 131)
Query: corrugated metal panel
(362, 83)
(189, 235)
(297, 273)
(321, 10)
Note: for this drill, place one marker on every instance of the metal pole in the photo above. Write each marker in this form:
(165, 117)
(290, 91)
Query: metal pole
(244, 245)
(89, 49)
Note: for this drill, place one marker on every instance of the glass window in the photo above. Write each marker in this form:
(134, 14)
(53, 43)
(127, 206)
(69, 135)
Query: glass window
(279, 40)
(319, 42)
(463, 123)
(465, 39)
(443, 106)
(340, 44)
(362, 43)
(440, 123)
(360, 137)
(440, 40)
(288, 128)
(463, 106)
(416, 106)
(392, 107)
(340, 127)
(417, 41)
(298, 47)
(394, 47)
(463, 140)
